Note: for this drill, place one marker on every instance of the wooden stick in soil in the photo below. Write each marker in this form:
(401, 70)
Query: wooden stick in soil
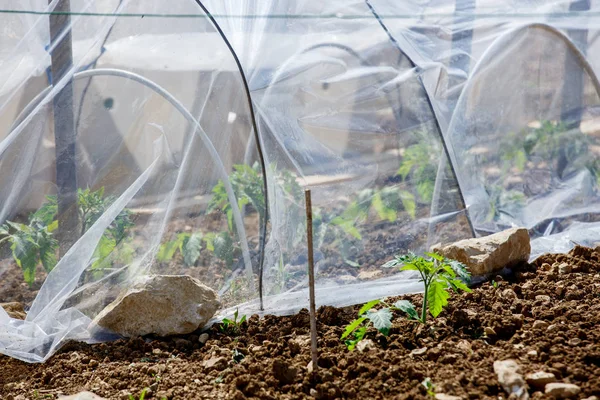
(311, 282)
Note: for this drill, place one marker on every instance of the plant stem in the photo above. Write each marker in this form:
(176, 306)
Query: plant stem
(424, 311)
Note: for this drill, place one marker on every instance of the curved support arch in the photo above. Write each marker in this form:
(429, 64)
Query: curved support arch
(500, 43)
(263, 232)
(433, 111)
(284, 67)
(187, 115)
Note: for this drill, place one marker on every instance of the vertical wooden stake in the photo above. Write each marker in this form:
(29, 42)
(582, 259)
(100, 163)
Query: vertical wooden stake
(311, 281)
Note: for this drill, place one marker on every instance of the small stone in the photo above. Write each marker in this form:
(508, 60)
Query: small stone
(465, 346)
(509, 294)
(552, 327)
(509, 377)
(156, 351)
(365, 345)
(313, 392)
(546, 267)
(309, 367)
(591, 398)
(215, 362)
(418, 352)
(574, 342)
(560, 390)
(443, 396)
(539, 324)
(564, 268)
(82, 396)
(532, 353)
(542, 297)
(203, 338)
(539, 379)
(489, 331)
(254, 348)
(160, 304)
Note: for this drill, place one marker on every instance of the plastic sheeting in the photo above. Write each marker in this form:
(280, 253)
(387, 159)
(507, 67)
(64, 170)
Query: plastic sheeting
(413, 123)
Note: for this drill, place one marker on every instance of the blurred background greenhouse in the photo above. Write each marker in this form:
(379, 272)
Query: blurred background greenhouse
(178, 137)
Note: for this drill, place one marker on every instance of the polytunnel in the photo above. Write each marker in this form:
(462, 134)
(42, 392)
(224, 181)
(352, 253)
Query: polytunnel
(141, 138)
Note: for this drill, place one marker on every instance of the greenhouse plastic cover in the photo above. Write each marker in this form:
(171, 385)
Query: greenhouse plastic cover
(130, 146)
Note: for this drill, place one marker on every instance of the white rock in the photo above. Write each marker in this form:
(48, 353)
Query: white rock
(509, 377)
(82, 396)
(203, 338)
(419, 352)
(491, 253)
(162, 305)
(564, 268)
(539, 379)
(443, 396)
(560, 390)
(539, 324)
(365, 345)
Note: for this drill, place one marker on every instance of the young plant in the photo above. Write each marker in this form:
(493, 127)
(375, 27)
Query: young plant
(429, 386)
(33, 243)
(247, 183)
(381, 320)
(420, 162)
(232, 326)
(142, 395)
(188, 244)
(438, 274)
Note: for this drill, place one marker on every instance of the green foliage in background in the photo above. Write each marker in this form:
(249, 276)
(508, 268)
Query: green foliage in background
(33, 243)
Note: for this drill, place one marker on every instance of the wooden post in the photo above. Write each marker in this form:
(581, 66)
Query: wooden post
(64, 127)
(311, 281)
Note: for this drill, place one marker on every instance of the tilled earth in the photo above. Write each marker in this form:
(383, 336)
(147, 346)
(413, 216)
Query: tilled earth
(545, 316)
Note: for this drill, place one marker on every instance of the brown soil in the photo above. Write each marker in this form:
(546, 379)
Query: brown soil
(269, 358)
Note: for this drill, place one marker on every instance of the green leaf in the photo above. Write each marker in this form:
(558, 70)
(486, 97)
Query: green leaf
(409, 203)
(25, 253)
(384, 212)
(105, 247)
(391, 263)
(191, 248)
(425, 190)
(409, 267)
(381, 319)
(53, 226)
(348, 226)
(47, 251)
(435, 256)
(352, 326)
(460, 269)
(407, 307)
(352, 263)
(209, 240)
(359, 335)
(366, 307)
(437, 297)
(167, 250)
(223, 245)
(457, 285)
(47, 212)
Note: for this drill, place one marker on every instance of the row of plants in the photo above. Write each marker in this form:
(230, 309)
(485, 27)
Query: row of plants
(553, 147)
(34, 243)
